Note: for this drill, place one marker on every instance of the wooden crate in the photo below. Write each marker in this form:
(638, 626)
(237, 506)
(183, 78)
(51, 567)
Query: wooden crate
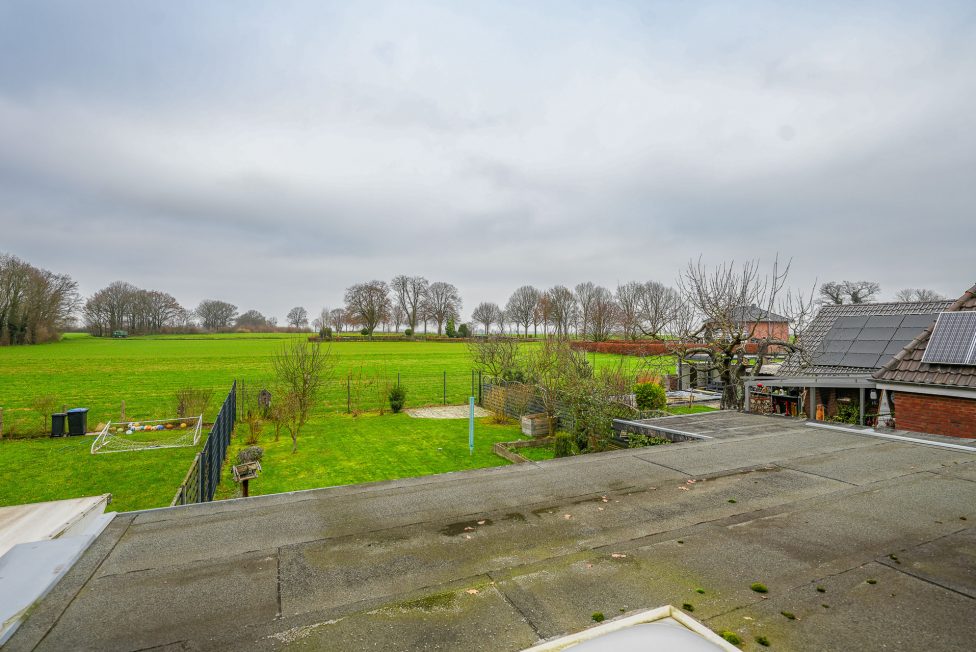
(535, 425)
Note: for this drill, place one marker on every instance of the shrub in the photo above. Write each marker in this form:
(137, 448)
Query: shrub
(398, 396)
(326, 333)
(408, 332)
(450, 331)
(731, 637)
(563, 445)
(250, 454)
(640, 441)
(463, 331)
(364, 331)
(650, 396)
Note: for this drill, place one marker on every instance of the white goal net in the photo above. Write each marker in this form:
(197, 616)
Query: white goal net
(122, 436)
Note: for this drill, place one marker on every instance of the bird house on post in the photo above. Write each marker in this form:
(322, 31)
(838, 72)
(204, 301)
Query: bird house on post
(243, 473)
(264, 401)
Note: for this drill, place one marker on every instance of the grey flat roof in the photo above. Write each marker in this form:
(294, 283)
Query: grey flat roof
(498, 559)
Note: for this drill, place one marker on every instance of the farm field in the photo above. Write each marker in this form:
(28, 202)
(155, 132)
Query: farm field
(145, 372)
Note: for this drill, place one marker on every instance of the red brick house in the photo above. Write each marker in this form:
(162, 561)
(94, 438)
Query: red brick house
(931, 397)
(761, 323)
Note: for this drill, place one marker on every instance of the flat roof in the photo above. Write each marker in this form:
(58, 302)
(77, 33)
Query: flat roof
(865, 542)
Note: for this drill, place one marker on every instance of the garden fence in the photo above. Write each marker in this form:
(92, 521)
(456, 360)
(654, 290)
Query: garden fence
(202, 479)
(369, 391)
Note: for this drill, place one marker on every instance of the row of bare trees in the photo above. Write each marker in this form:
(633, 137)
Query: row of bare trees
(407, 301)
(36, 305)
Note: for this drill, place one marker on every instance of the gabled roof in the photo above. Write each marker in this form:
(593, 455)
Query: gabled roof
(907, 365)
(869, 323)
(753, 313)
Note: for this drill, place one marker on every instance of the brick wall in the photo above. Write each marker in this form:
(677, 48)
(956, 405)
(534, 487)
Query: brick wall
(939, 415)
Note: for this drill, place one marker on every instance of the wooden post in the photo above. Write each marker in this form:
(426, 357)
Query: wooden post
(244, 488)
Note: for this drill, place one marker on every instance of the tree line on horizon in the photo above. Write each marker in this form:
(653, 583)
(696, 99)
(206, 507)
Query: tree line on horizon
(36, 305)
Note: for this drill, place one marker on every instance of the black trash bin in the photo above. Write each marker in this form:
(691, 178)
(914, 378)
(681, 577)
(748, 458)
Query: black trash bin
(57, 424)
(77, 421)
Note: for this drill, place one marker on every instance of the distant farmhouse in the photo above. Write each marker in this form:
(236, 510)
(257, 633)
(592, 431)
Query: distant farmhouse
(761, 323)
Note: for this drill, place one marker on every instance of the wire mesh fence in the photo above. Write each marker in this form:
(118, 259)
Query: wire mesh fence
(203, 477)
(369, 391)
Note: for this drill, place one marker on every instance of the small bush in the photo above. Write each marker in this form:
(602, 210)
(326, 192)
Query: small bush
(364, 331)
(650, 396)
(598, 616)
(563, 445)
(640, 441)
(398, 397)
(463, 331)
(408, 332)
(731, 637)
(759, 587)
(250, 454)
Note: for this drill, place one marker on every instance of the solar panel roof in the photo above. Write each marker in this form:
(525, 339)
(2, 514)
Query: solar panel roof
(868, 341)
(953, 341)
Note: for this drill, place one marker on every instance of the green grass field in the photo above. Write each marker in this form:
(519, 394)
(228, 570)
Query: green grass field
(145, 372)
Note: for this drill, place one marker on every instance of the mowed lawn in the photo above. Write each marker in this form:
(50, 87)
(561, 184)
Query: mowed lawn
(343, 449)
(145, 372)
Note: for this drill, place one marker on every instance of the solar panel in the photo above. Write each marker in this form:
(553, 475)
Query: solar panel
(953, 341)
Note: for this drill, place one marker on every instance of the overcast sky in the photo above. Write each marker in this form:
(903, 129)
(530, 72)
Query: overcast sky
(270, 154)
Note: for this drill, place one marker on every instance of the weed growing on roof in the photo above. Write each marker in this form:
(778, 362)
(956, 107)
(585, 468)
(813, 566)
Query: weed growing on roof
(763, 641)
(825, 606)
(688, 607)
(598, 616)
(789, 615)
(821, 589)
(872, 581)
(759, 587)
(732, 500)
(731, 637)
(700, 590)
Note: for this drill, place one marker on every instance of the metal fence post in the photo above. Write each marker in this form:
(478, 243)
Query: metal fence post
(480, 384)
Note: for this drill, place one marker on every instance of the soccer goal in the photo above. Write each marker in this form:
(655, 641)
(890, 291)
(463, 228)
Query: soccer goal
(123, 436)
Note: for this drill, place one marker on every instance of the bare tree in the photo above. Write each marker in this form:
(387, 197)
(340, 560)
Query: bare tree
(628, 303)
(297, 317)
(603, 314)
(496, 356)
(368, 303)
(337, 318)
(215, 315)
(585, 295)
(656, 308)
(849, 292)
(918, 294)
(398, 316)
(487, 313)
(521, 306)
(252, 319)
(443, 302)
(562, 308)
(301, 368)
(409, 293)
(717, 296)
